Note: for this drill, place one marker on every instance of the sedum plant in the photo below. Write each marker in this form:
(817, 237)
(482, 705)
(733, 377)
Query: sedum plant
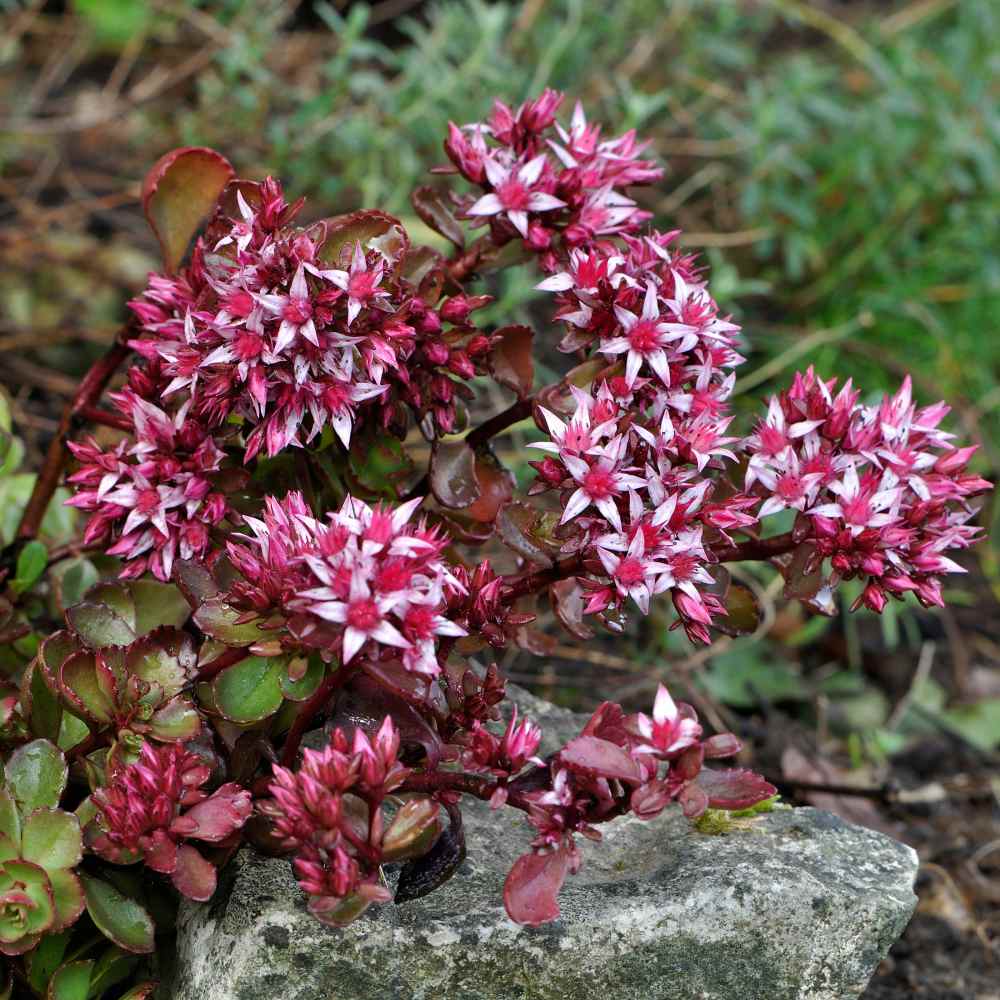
(297, 523)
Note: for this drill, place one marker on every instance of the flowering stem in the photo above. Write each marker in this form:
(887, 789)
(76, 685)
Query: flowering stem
(310, 709)
(480, 435)
(530, 583)
(756, 548)
(465, 784)
(465, 263)
(93, 385)
(97, 415)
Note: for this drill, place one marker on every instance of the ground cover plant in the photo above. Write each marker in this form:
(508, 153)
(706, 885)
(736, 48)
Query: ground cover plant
(293, 523)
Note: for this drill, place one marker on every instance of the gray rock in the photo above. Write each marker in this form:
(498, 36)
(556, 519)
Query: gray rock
(801, 906)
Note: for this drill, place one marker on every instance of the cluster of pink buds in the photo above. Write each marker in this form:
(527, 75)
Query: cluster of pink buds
(329, 813)
(618, 764)
(552, 187)
(364, 582)
(149, 810)
(155, 497)
(879, 490)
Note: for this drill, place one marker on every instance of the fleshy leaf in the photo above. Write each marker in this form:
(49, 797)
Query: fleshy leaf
(179, 193)
(734, 788)
(432, 207)
(594, 757)
(70, 981)
(31, 562)
(113, 966)
(523, 529)
(51, 839)
(194, 877)
(531, 890)
(250, 690)
(568, 604)
(118, 917)
(36, 775)
(82, 688)
(373, 229)
(453, 475)
(413, 830)
(67, 895)
(158, 605)
(97, 625)
(221, 621)
(743, 612)
(45, 959)
(10, 821)
(496, 487)
(224, 811)
(512, 360)
(42, 707)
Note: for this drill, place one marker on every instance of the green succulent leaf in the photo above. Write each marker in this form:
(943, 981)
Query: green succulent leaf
(10, 821)
(250, 690)
(44, 708)
(31, 562)
(98, 625)
(40, 915)
(51, 839)
(118, 917)
(299, 684)
(157, 605)
(67, 894)
(221, 621)
(177, 720)
(113, 966)
(70, 981)
(45, 959)
(82, 686)
(36, 775)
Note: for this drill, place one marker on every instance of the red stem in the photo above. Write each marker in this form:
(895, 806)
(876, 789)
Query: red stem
(535, 580)
(756, 548)
(98, 415)
(466, 784)
(93, 385)
(310, 709)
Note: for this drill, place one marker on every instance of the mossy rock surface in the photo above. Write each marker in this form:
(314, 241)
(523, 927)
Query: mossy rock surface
(802, 906)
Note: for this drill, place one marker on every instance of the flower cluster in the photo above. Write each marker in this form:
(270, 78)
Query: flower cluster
(879, 490)
(292, 330)
(638, 447)
(329, 813)
(155, 497)
(553, 187)
(363, 580)
(151, 808)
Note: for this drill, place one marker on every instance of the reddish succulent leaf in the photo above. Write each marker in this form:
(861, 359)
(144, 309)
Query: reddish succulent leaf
(96, 625)
(195, 582)
(224, 811)
(496, 487)
(413, 830)
(743, 612)
(193, 877)
(734, 788)
(597, 758)
(518, 527)
(432, 207)
(179, 193)
(373, 229)
(568, 605)
(453, 475)
(803, 580)
(531, 890)
(80, 685)
(512, 360)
